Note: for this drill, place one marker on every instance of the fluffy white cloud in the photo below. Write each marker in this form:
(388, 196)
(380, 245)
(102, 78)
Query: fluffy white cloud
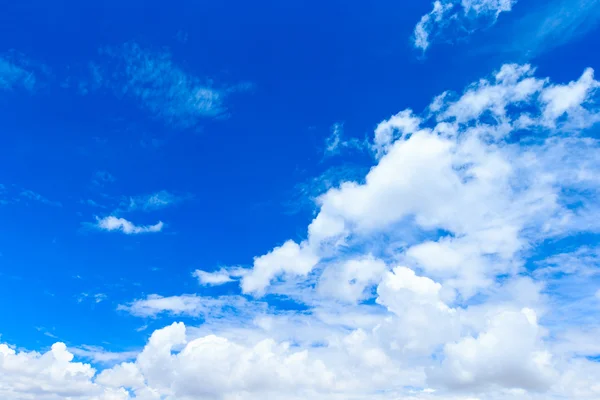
(112, 223)
(413, 279)
(351, 280)
(460, 174)
(508, 353)
(49, 376)
(289, 258)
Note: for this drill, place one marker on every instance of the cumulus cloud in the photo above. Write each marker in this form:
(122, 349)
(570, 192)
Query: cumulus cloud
(466, 15)
(112, 223)
(49, 376)
(289, 258)
(508, 353)
(415, 280)
(351, 280)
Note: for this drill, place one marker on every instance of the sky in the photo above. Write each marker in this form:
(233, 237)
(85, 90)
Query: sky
(289, 200)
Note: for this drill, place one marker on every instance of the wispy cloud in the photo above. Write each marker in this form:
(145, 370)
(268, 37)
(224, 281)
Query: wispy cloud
(187, 304)
(91, 203)
(335, 143)
(551, 24)
(459, 18)
(112, 223)
(305, 193)
(102, 177)
(151, 202)
(13, 75)
(31, 195)
(100, 355)
(46, 332)
(220, 277)
(159, 85)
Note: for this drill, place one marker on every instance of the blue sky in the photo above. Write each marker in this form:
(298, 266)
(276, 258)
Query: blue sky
(388, 200)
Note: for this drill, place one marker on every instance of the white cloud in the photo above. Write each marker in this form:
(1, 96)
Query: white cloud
(466, 15)
(112, 223)
(568, 99)
(289, 258)
(100, 355)
(335, 143)
(220, 277)
(425, 25)
(52, 375)
(191, 305)
(351, 280)
(508, 353)
(413, 279)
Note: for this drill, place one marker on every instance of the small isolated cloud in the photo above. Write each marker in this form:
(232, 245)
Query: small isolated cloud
(335, 143)
(112, 223)
(96, 298)
(102, 177)
(91, 203)
(99, 297)
(151, 202)
(159, 85)
(220, 277)
(457, 16)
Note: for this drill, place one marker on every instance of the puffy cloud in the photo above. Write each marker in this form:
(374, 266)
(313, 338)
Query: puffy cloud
(415, 301)
(457, 171)
(508, 353)
(48, 376)
(351, 280)
(112, 223)
(413, 279)
(289, 258)
(467, 199)
(569, 99)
